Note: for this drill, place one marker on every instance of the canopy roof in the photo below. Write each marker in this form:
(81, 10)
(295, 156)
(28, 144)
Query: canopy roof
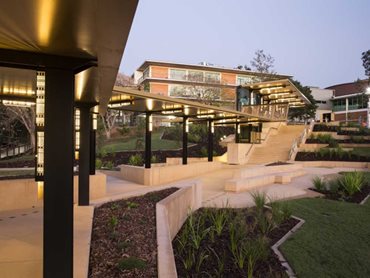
(38, 33)
(280, 91)
(128, 99)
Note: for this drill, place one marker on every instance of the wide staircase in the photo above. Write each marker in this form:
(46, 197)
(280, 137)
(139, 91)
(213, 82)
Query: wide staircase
(277, 146)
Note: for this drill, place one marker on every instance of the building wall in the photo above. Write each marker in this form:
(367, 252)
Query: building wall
(159, 88)
(159, 72)
(228, 78)
(352, 116)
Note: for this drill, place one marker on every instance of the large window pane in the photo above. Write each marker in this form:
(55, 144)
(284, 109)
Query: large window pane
(195, 76)
(212, 77)
(178, 74)
(241, 80)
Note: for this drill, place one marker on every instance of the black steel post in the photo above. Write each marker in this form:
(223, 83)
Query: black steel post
(184, 141)
(237, 133)
(148, 140)
(210, 141)
(84, 157)
(58, 174)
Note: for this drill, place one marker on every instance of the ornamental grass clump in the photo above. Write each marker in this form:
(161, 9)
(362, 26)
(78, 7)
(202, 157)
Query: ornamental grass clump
(319, 183)
(352, 182)
(260, 200)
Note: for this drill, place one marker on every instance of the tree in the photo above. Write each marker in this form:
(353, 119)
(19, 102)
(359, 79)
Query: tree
(263, 63)
(26, 116)
(124, 80)
(308, 111)
(366, 62)
(245, 67)
(108, 120)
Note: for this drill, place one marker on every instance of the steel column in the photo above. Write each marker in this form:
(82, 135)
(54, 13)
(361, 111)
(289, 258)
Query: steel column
(184, 141)
(84, 157)
(148, 141)
(58, 185)
(210, 141)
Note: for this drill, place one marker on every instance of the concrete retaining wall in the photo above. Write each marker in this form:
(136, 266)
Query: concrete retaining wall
(335, 164)
(24, 193)
(171, 213)
(166, 173)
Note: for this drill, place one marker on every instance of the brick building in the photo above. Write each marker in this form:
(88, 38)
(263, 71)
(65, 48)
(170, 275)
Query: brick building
(204, 82)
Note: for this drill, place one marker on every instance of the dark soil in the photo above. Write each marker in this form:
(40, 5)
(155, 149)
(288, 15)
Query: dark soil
(312, 156)
(270, 267)
(326, 128)
(119, 158)
(352, 132)
(355, 198)
(17, 177)
(277, 163)
(126, 229)
(344, 141)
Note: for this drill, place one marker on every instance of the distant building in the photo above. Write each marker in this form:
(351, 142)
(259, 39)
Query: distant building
(323, 100)
(350, 101)
(204, 82)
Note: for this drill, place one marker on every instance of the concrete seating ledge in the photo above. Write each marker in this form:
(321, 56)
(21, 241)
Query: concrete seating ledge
(171, 214)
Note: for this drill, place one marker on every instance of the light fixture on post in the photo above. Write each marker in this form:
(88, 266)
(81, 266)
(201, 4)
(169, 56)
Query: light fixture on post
(150, 122)
(187, 125)
(77, 132)
(40, 123)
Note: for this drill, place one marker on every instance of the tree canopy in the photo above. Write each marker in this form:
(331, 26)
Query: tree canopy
(366, 62)
(309, 110)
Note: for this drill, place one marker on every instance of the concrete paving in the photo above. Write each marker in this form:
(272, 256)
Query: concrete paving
(21, 230)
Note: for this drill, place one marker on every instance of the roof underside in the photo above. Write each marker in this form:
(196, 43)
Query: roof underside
(127, 99)
(280, 91)
(84, 29)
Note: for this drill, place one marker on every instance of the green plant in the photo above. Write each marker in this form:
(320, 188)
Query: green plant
(202, 256)
(357, 139)
(130, 263)
(333, 185)
(319, 183)
(237, 231)
(340, 152)
(131, 205)
(108, 165)
(219, 271)
(98, 163)
(256, 250)
(113, 222)
(204, 152)
(219, 218)
(114, 206)
(197, 231)
(260, 200)
(264, 224)
(323, 152)
(352, 182)
(154, 159)
(312, 136)
(280, 212)
(135, 160)
(333, 143)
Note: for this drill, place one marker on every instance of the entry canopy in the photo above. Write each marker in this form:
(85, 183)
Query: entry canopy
(128, 99)
(279, 91)
(86, 36)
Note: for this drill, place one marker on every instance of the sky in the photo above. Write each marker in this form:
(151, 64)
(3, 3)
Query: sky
(319, 42)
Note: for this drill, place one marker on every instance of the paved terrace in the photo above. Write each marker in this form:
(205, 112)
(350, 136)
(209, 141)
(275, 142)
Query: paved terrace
(21, 230)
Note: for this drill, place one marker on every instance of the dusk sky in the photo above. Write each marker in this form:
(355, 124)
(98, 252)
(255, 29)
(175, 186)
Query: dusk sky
(319, 42)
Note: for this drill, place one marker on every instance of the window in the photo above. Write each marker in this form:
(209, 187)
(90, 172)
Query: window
(178, 74)
(241, 80)
(195, 92)
(195, 76)
(212, 77)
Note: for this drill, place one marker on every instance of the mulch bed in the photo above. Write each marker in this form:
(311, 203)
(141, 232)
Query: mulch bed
(277, 163)
(355, 198)
(271, 267)
(326, 128)
(312, 156)
(123, 229)
(343, 141)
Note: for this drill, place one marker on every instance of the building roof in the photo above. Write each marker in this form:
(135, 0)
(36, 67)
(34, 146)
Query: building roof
(128, 99)
(351, 88)
(207, 67)
(280, 91)
(71, 30)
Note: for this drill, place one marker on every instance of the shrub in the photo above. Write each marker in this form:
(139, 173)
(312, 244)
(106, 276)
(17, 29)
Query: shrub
(108, 165)
(131, 263)
(357, 139)
(98, 163)
(204, 152)
(312, 136)
(280, 212)
(333, 143)
(259, 199)
(325, 138)
(323, 152)
(319, 183)
(340, 152)
(154, 159)
(352, 182)
(135, 160)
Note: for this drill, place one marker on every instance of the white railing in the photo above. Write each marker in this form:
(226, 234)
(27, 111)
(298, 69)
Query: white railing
(13, 151)
(273, 112)
(300, 140)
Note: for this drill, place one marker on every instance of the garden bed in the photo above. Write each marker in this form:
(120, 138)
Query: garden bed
(329, 155)
(242, 248)
(357, 197)
(342, 141)
(325, 128)
(123, 240)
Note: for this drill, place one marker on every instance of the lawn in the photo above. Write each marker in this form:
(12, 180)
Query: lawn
(130, 144)
(334, 241)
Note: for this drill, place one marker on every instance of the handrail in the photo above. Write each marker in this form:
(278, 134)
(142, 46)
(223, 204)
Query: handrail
(9, 152)
(300, 139)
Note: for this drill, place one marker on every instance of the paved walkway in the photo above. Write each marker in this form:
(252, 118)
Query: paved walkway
(21, 230)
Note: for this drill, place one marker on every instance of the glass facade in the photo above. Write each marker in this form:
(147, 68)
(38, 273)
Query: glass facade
(241, 80)
(177, 74)
(212, 77)
(356, 102)
(195, 92)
